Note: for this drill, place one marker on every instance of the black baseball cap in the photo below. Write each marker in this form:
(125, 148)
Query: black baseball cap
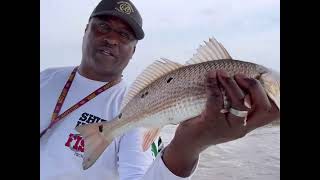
(123, 9)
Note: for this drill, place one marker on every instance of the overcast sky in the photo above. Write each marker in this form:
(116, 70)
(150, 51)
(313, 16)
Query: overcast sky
(248, 29)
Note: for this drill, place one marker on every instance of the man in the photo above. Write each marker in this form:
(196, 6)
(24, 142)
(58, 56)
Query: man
(92, 93)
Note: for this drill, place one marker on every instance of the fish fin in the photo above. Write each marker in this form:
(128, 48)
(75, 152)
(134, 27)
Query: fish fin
(94, 142)
(153, 72)
(149, 137)
(213, 50)
(271, 83)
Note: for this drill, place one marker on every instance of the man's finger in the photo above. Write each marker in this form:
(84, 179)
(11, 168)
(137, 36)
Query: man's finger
(234, 92)
(215, 98)
(256, 91)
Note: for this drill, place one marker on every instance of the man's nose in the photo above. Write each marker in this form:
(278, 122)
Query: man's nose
(111, 40)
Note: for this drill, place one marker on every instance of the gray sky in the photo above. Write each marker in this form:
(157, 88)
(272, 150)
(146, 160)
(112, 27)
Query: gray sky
(248, 29)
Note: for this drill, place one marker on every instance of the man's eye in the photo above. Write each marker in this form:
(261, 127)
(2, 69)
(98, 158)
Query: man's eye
(125, 35)
(104, 27)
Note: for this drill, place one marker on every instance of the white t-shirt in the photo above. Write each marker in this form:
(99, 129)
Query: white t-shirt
(61, 149)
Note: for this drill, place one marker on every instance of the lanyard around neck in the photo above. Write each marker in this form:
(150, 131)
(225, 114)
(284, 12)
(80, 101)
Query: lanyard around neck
(55, 115)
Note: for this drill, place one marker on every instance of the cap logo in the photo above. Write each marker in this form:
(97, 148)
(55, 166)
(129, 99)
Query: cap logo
(125, 7)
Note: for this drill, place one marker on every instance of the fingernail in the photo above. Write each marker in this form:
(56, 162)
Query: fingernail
(223, 74)
(241, 76)
(223, 111)
(212, 74)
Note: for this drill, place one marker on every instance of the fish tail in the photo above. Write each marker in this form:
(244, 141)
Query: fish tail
(95, 141)
(271, 83)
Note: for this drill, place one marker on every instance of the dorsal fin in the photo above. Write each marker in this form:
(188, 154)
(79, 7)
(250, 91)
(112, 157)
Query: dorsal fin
(154, 71)
(212, 50)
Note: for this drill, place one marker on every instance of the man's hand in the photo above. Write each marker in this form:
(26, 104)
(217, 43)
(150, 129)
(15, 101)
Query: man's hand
(214, 127)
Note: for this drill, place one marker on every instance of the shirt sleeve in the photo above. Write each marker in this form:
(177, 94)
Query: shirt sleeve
(46, 75)
(134, 164)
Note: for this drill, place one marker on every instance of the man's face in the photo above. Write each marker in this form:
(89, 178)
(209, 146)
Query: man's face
(108, 45)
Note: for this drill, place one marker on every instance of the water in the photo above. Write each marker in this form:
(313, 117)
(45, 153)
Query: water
(256, 156)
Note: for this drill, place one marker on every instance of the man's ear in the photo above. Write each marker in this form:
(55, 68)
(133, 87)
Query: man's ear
(86, 28)
(134, 49)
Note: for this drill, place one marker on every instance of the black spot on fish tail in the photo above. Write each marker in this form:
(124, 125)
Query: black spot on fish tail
(144, 94)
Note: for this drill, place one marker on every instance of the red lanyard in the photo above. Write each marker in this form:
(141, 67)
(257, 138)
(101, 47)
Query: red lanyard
(55, 117)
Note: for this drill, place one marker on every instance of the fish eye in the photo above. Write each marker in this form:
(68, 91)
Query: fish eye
(101, 128)
(169, 79)
(120, 115)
